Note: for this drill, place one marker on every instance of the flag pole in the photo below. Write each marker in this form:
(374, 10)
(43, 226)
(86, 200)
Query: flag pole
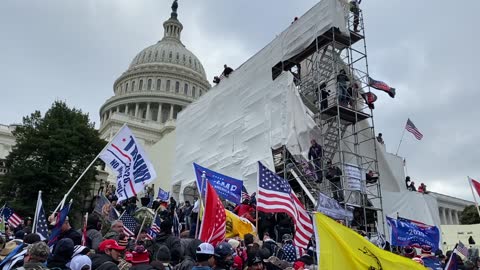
(140, 231)
(197, 230)
(35, 217)
(85, 171)
(473, 194)
(122, 214)
(401, 139)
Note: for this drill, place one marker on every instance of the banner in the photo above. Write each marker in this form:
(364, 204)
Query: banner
(406, 233)
(128, 160)
(339, 247)
(330, 207)
(163, 195)
(226, 187)
(355, 177)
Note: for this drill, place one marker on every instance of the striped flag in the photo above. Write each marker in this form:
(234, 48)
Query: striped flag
(410, 127)
(214, 220)
(154, 229)
(379, 85)
(11, 217)
(41, 226)
(452, 263)
(462, 249)
(129, 224)
(57, 229)
(276, 196)
(245, 195)
(177, 227)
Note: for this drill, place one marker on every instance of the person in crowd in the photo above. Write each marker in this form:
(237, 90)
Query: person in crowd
(303, 262)
(187, 210)
(27, 225)
(315, 154)
(237, 254)
(284, 226)
(36, 256)
(244, 210)
(62, 254)
(256, 264)
(216, 80)
(80, 262)
(226, 71)
(342, 80)
(189, 253)
(352, 94)
(288, 252)
(334, 176)
(266, 225)
(324, 96)
(270, 244)
(205, 257)
(422, 188)
(223, 257)
(140, 258)
(355, 9)
(163, 258)
(115, 230)
(380, 138)
(94, 235)
(108, 256)
(274, 263)
(165, 238)
(31, 238)
(172, 206)
(407, 181)
(412, 187)
(19, 235)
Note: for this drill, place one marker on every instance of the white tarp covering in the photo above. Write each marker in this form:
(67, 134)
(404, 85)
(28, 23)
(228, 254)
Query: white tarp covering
(237, 122)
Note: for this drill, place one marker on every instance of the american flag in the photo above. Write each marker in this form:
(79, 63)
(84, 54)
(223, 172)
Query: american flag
(129, 224)
(41, 227)
(177, 227)
(462, 249)
(245, 195)
(214, 220)
(275, 195)
(154, 229)
(11, 217)
(410, 127)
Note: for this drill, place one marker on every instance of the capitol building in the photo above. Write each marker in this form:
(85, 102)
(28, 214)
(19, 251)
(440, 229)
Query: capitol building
(161, 81)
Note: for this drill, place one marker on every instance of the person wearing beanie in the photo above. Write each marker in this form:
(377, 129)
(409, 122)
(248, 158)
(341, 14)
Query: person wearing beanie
(62, 254)
(140, 259)
(162, 258)
(36, 256)
(31, 238)
(108, 256)
(80, 262)
(165, 238)
(205, 257)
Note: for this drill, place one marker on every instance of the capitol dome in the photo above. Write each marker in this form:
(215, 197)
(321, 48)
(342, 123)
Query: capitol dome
(160, 81)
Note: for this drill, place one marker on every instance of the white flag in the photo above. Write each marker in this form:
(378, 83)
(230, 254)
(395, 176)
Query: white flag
(125, 156)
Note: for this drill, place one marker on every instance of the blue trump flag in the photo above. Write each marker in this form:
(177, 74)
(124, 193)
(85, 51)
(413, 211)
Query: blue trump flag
(226, 187)
(57, 229)
(163, 195)
(404, 232)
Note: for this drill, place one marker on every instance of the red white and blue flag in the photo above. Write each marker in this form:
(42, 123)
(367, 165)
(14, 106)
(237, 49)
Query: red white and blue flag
(11, 217)
(126, 157)
(276, 196)
(154, 229)
(379, 85)
(410, 127)
(129, 224)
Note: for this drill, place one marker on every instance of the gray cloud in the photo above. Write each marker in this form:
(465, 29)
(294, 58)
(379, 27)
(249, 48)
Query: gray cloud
(74, 50)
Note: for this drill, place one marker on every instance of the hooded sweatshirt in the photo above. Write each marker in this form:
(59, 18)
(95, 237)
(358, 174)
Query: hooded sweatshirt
(189, 255)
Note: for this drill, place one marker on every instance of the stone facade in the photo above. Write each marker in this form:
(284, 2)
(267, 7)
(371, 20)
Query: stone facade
(7, 141)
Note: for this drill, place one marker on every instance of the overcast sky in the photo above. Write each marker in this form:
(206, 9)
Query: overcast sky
(74, 50)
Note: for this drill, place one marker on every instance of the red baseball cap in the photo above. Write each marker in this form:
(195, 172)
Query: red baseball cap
(110, 244)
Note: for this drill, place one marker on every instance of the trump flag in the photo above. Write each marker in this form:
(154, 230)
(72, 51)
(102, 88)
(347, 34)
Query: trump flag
(125, 156)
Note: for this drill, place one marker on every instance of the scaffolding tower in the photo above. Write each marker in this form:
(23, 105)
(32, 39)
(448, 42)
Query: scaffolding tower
(332, 78)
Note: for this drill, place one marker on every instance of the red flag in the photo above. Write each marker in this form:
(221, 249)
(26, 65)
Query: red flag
(214, 218)
(476, 186)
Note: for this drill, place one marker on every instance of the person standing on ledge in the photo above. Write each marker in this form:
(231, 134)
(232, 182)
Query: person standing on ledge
(227, 71)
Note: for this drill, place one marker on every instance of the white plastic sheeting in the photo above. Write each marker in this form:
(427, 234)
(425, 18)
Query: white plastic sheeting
(237, 122)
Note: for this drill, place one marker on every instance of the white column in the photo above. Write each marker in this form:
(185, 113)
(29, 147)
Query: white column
(126, 109)
(443, 216)
(171, 112)
(457, 219)
(118, 108)
(449, 214)
(159, 113)
(136, 109)
(147, 115)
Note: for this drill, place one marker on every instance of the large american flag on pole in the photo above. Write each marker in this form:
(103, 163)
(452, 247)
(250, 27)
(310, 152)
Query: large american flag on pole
(129, 224)
(275, 195)
(410, 127)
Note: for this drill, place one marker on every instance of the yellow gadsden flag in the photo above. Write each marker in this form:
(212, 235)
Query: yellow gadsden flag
(341, 248)
(237, 226)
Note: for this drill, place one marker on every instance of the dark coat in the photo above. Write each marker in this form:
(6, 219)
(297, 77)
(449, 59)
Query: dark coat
(102, 261)
(72, 234)
(172, 243)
